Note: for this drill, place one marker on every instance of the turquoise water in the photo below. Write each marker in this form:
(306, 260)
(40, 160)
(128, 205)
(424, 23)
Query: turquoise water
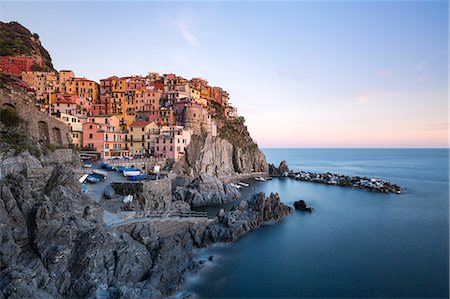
(356, 243)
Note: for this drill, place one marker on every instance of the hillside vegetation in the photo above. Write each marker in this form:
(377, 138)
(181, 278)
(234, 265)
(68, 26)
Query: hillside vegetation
(16, 40)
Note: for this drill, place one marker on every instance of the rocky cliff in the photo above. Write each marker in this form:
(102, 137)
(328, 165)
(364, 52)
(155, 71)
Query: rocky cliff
(218, 157)
(16, 40)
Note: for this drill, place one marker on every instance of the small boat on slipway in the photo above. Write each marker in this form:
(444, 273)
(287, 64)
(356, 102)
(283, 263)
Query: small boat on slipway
(100, 172)
(83, 178)
(243, 184)
(235, 186)
(131, 173)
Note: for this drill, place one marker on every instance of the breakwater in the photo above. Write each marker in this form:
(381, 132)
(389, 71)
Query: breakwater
(364, 183)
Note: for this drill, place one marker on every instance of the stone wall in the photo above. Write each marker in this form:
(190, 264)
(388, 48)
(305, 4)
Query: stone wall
(41, 127)
(64, 156)
(127, 188)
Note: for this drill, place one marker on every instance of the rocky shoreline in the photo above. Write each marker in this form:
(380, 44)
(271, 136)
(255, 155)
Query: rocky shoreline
(54, 243)
(364, 183)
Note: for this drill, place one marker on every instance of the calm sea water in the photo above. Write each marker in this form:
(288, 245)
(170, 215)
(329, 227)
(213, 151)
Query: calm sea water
(355, 243)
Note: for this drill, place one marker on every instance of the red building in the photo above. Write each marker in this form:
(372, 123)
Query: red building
(16, 64)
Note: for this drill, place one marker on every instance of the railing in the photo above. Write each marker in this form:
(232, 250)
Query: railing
(136, 160)
(190, 214)
(157, 216)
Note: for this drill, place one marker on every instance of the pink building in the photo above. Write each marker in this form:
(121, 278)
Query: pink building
(171, 143)
(103, 133)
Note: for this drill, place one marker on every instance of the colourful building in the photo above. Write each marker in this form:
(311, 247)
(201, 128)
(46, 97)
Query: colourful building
(141, 137)
(75, 124)
(102, 132)
(83, 87)
(15, 65)
(172, 141)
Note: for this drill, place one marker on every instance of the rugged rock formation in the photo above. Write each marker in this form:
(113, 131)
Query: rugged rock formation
(301, 205)
(218, 157)
(204, 190)
(245, 216)
(53, 244)
(16, 40)
(283, 168)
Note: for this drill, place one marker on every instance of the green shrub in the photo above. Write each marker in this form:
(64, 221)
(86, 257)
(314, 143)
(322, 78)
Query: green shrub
(10, 118)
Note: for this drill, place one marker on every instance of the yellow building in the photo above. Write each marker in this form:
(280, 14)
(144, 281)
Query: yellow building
(83, 87)
(141, 137)
(196, 96)
(75, 124)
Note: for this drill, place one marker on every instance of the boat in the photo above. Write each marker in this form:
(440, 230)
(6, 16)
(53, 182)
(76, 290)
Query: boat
(100, 172)
(94, 178)
(83, 178)
(131, 173)
(84, 188)
(235, 186)
(138, 177)
(87, 164)
(243, 184)
(128, 198)
(261, 179)
(268, 178)
(109, 167)
(122, 169)
(103, 165)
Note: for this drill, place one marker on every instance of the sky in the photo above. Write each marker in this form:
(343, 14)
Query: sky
(302, 73)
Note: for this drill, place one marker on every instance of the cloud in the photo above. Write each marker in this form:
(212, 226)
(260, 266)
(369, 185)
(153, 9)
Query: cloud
(361, 99)
(187, 35)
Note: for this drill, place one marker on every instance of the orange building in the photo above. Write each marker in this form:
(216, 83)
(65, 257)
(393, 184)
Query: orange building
(83, 87)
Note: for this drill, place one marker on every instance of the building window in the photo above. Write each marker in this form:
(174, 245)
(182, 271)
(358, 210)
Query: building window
(90, 136)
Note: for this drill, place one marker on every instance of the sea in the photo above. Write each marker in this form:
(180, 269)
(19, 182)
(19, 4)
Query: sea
(356, 244)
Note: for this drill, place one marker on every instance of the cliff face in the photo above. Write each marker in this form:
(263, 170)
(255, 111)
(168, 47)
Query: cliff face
(232, 151)
(16, 40)
(218, 157)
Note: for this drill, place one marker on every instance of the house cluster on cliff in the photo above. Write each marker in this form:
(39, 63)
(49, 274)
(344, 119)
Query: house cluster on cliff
(153, 115)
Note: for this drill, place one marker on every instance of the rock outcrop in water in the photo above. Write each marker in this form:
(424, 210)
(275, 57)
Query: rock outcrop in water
(301, 205)
(247, 215)
(205, 190)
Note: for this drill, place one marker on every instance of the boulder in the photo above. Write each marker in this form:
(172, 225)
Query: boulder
(283, 168)
(301, 205)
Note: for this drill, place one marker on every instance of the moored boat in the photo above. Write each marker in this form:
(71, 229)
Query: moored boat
(83, 178)
(235, 186)
(84, 188)
(261, 179)
(243, 184)
(138, 177)
(131, 173)
(100, 172)
(128, 198)
(94, 178)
